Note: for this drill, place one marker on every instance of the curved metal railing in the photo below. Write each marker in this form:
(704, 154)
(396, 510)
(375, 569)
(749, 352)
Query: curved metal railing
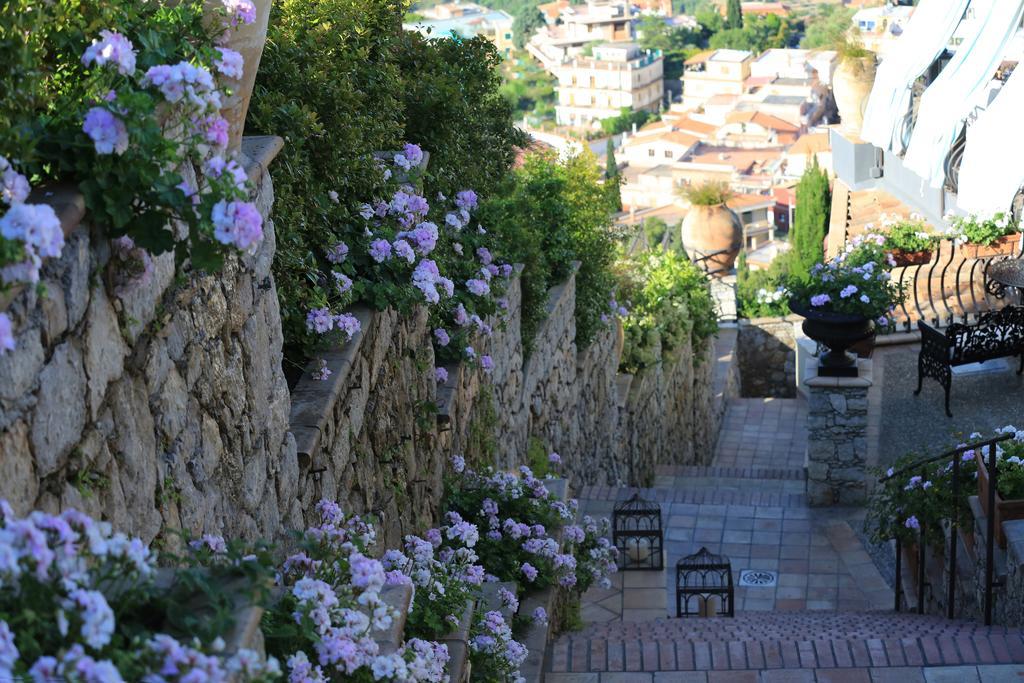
(988, 450)
(952, 287)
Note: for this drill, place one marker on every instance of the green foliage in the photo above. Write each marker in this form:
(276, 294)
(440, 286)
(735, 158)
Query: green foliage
(481, 443)
(530, 90)
(654, 230)
(669, 301)
(625, 121)
(550, 214)
(46, 90)
(826, 27)
(911, 235)
(709, 193)
(612, 180)
(757, 35)
(339, 81)
(851, 48)
(978, 230)
(677, 44)
(527, 20)
(811, 217)
(915, 502)
(452, 107)
(762, 293)
(734, 15)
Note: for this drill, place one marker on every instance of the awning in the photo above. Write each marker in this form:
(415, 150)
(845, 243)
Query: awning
(923, 40)
(961, 85)
(992, 169)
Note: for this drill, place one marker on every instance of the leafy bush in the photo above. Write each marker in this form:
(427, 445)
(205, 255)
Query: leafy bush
(710, 193)
(549, 214)
(668, 301)
(121, 98)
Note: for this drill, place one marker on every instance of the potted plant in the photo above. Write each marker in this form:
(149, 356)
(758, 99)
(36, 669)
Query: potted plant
(979, 237)
(711, 228)
(909, 241)
(1009, 496)
(843, 299)
(853, 81)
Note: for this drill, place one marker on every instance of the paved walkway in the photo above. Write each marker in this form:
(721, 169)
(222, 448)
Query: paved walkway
(827, 615)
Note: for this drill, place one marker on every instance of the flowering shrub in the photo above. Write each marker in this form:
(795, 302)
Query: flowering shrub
(445, 577)
(135, 109)
(856, 282)
(908, 235)
(396, 258)
(495, 655)
(78, 602)
(321, 626)
(982, 230)
(28, 232)
(1009, 464)
(668, 299)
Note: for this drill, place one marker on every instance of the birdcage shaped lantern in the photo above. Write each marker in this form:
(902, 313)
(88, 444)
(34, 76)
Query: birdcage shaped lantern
(637, 533)
(704, 585)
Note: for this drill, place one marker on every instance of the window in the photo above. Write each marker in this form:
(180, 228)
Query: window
(508, 36)
(650, 152)
(668, 154)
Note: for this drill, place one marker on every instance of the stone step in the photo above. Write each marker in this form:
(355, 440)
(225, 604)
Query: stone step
(792, 640)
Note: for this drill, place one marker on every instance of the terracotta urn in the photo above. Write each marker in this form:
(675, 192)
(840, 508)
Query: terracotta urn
(248, 40)
(851, 86)
(714, 232)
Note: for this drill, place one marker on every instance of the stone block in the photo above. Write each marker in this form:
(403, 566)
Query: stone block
(60, 412)
(105, 349)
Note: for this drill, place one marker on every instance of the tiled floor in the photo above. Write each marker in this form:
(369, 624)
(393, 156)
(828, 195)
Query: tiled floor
(828, 618)
(819, 561)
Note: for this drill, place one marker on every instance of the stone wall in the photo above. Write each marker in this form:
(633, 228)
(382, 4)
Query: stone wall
(164, 408)
(837, 422)
(767, 357)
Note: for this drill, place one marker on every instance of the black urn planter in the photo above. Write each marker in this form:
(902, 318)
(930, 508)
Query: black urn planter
(837, 332)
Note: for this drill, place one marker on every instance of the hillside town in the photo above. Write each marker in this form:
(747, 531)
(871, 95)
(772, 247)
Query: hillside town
(754, 121)
(511, 341)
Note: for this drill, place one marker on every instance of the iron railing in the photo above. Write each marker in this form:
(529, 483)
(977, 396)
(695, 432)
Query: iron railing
(919, 468)
(703, 260)
(952, 287)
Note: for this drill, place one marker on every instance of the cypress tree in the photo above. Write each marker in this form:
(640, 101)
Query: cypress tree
(813, 204)
(734, 15)
(613, 180)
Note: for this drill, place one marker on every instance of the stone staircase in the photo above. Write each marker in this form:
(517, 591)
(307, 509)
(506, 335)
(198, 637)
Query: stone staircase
(758, 641)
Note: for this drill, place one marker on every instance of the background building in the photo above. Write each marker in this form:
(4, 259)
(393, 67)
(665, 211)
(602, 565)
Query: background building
(617, 76)
(467, 20)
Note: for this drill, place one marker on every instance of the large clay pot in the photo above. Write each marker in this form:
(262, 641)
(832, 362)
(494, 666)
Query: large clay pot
(714, 234)
(837, 332)
(851, 86)
(248, 40)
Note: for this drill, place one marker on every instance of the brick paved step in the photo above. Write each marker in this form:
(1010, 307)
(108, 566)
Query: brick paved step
(699, 495)
(772, 640)
(753, 472)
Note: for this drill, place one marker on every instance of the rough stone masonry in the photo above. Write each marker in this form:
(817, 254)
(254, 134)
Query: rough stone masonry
(837, 444)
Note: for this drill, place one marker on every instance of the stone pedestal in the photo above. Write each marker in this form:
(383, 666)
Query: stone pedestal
(837, 444)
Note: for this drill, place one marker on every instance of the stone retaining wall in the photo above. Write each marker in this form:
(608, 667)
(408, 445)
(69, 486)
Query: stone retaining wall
(167, 408)
(767, 357)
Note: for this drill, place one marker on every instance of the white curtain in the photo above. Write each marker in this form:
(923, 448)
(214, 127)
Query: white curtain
(963, 83)
(992, 169)
(924, 38)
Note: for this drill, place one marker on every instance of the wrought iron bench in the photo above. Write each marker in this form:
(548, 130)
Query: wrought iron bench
(997, 334)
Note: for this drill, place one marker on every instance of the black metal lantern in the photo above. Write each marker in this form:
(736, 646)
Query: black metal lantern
(704, 576)
(636, 532)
